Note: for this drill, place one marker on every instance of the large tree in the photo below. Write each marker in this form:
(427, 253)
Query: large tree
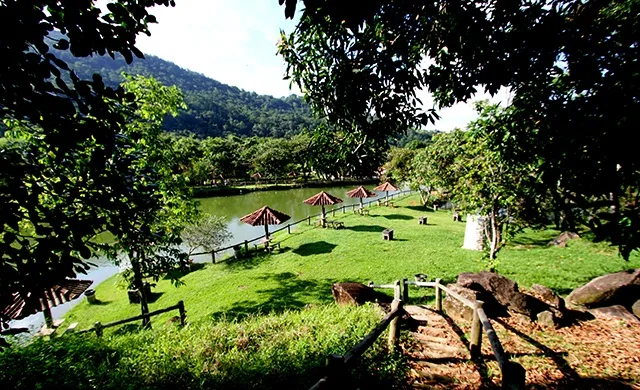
(572, 67)
(58, 178)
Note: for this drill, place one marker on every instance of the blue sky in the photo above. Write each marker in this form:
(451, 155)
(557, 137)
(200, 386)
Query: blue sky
(234, 41)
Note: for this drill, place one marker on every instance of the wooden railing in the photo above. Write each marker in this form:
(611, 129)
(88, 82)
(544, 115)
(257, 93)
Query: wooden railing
(513, 374)
(245, 244)
(99, 327)
(338, 365)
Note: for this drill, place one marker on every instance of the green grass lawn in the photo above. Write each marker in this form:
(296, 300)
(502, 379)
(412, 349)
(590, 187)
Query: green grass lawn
(313, 258)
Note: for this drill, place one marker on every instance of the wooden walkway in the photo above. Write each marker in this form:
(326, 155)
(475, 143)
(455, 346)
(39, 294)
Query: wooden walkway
(438, 357)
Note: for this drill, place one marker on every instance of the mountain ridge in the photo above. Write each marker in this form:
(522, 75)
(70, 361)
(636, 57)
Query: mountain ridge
(214, 108)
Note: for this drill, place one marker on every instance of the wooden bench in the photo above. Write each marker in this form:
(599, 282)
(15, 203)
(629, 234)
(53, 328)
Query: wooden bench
(335, 224)
(422, 220)
(364, 211)
(387, 234)
(268, 245)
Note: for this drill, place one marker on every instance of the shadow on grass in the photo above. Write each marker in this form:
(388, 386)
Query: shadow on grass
(314, 248)
(178, 273)
(419, 208)
(366, 228)
(98, 302)
(527, 241)
(557, 357)
(289, 293)
(249, 261)
(399, 216)
(154, 296)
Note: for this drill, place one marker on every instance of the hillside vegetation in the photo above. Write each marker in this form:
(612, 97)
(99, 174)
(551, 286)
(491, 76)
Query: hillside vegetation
(214, 108)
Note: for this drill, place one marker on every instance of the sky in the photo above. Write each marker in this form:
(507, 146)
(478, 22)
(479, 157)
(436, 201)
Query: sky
(234, 42)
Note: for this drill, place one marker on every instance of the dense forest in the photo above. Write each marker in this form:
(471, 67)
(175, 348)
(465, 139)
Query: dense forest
(214, 109)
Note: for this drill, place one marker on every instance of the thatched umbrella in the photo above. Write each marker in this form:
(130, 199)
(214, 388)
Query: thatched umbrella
(322, 199)
(58, 294)
(265, 216)
(360, 192)
(386, 187)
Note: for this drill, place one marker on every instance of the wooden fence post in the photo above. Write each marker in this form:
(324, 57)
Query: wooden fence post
(289, 228)
(213, 257)
(438, 295)
(405, 290)
(336, 370)
(394, 326)
(98, 328)
(343, 209)
(246, 247)
(476, 332)
(513, 376)
(183, 313)
(309, 220)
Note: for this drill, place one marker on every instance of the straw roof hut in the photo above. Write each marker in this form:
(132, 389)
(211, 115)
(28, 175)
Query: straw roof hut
(386, 187)
(322, 199)
(265, 216)
(360, 192)
(57, 294)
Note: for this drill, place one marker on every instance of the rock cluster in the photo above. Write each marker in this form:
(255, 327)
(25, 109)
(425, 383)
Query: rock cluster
(614, 295)
(502, 297)
(352, 293)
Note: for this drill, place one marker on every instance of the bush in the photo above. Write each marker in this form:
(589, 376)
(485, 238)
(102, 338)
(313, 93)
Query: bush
(286, 350)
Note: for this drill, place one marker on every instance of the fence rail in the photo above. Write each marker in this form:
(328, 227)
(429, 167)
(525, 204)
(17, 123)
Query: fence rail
(338, 365)
(99, 327)
(513, 374)
(307, 219)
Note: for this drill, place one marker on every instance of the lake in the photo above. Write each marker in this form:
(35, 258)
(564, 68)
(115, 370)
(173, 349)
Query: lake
(232, 208)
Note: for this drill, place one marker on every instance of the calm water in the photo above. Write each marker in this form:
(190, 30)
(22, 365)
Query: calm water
(232, 208)
(287, 201)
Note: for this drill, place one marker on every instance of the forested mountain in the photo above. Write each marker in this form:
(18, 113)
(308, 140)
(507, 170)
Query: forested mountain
(214, 108)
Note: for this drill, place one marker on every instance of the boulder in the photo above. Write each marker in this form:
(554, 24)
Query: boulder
(548, 296)
(562, 239)
(635, 308)
(502, 291)
(614, 312)
(351, 293)
(617, 288)
(456, 309)
(547, 319)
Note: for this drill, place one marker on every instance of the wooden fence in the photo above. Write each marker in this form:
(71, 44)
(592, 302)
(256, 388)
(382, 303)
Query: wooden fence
(513, 374)
(337, 371)
(99, 327)
(342, 209)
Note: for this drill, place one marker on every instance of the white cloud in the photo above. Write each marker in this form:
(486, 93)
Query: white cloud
(460, 114)
(231, 41)
(234, 41)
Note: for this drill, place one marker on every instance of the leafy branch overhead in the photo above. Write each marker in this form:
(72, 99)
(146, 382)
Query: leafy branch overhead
(570, 66)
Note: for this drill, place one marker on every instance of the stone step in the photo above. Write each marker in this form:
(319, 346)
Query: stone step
(433, 331)
(426, 337)
(437, 347)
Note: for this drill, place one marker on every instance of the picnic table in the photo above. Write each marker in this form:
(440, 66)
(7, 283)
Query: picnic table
(361, 211)
(269, 245)
(335, 224)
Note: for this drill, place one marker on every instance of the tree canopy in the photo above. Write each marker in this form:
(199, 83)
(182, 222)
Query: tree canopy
(571, 66)
(63, 167)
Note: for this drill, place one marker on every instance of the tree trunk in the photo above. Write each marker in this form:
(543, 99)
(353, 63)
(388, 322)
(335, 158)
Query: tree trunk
(139, 285)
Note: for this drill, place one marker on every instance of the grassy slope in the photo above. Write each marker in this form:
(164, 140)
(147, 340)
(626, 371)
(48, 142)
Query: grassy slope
(312, 259)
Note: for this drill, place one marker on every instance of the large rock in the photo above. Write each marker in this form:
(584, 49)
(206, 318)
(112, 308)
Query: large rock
(562, 239)
(635, 308)
(614, 312)
(548, 296)
(617, 288)
(456, 309)
(504, 291)
(351, 293)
